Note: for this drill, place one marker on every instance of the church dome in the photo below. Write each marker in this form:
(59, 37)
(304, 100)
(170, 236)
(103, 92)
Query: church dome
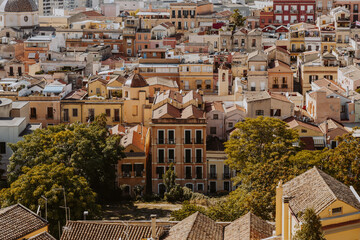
(19, 6)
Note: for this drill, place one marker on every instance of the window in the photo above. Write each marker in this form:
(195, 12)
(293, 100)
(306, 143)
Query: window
(66, 115)
(161, 155)
(303, 131)
(302, 8)
(275, 112)
(161, 137)
(337, 210)
(50, 113)
(2, 148)
(26, 18)
(108, 112)
(190, 186)
(98, 91)
(199, 174)
(200, 187)
(187, 139)
(171, 155)
(188, 174)
(213, 174)
(160, 172)
(286, 8)
(259, 112)
(212, 130)
(286, 18)
(198, 155)
(216, 116)
(116, 115)
(171, 136)
(198, 137)
(253, 43)
(33, 113)
(187, 155)
(227, 186)
(230, 125)
(75, 112)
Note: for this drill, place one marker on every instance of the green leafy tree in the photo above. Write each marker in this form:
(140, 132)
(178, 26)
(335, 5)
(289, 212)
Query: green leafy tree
(88, 148)
(343, 162)
(186, 210)
(169, 178)
(237, 19)
(311, 227)
(48, 180)
(262, 151)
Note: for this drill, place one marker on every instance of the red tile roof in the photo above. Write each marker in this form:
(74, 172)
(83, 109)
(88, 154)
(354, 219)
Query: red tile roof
(18, 221)
(98, 230)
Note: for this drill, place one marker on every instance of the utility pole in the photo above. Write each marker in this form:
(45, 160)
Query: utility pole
(63, 189)
(46, 200)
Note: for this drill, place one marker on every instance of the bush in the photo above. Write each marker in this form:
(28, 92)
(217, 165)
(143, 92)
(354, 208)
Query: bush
(186, 210)
(175, 194)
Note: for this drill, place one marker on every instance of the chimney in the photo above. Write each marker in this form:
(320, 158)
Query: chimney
(286, 228)
(153, 226)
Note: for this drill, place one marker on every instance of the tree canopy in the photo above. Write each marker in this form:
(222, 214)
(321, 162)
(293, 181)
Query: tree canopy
(237, 19)
(88, 148)
(49, 180)
(262, 151)
(311, 227)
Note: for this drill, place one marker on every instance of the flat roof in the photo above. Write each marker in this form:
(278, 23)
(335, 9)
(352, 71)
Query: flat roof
(11, 122)
(19, 104)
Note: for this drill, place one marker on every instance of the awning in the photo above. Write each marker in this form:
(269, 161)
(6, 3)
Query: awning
(114, 88)
(31, 55)
(319, 141)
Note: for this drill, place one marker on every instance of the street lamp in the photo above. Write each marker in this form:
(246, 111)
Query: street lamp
(63, 189)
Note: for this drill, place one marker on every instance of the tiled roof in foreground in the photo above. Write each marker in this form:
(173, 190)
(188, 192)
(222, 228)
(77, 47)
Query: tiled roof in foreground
(17, 221)
(86, 230)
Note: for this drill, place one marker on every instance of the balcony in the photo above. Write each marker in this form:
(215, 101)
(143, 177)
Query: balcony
(310, 11)
(33, 116)
(160, 140)
(278, 11)
(226, 176)
(139, 174)
(278, 21)
(188, 176)
(275, 86)
(199, 159)
(161, 160)
(294, 11)
(126, 175)
(171, 160)
(213, 176)
(284, 86)
(199, 176)
(187, 140)
(198, 141)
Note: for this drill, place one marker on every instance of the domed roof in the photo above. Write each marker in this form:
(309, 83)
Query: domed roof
(19, 6)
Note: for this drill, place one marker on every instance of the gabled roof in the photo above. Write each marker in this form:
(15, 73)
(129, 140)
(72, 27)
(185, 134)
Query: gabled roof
(138, 81)
(86, 230)
(257, 56)
(76, 95)
(166, 109)
(279, 66)
(196, 227)
(295, 123)
(17, 221)
(248, 227)
(331, 126)
(316, 189)
(256, 96)
(191, 112)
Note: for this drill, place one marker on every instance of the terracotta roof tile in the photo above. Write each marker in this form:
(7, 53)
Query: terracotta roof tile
(196, 227)
(316, 189)
(82, 230)
(248, 227)
(138, 81)
(17, 221)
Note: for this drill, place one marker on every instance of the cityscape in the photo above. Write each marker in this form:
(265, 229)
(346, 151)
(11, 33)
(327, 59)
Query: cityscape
(179, 120)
